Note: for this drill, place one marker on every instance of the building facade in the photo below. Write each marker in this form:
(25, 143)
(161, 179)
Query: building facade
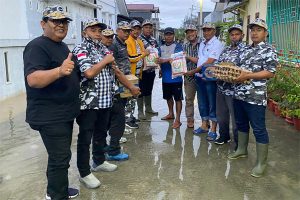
(21, 21)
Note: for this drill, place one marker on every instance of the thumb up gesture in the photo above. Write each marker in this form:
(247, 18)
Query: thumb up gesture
(67, 66)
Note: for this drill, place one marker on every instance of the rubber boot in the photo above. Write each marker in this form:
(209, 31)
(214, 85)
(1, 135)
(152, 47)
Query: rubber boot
(148, 106)
(241, 152)
(140, 103)
(261, 160)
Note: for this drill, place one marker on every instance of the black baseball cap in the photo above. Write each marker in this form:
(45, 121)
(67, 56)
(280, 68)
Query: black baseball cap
(169, 30)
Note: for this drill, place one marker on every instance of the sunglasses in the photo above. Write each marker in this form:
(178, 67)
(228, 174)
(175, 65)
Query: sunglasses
(58, 22)
(109, 36)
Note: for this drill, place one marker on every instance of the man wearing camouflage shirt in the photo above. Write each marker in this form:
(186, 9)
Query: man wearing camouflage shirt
(251, 97)
(146, 83)
(96, 94)
(224, 102)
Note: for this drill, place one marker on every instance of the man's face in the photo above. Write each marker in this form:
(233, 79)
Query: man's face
(258, 34)
(93, 32)
(123, 34)
(135, 32)
(208, 33)
(169, 37)
(147, 30)
(55, 29)
(191, 35)
(236, 36)
(107, 40)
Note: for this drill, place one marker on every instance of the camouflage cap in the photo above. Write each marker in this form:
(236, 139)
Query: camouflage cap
(258, 22)
(208, 25)
(147, 22)
(108, 31)
(134, 23)
(235, 26)
(191, 27)
(55, 12)
(93, 22)
(124, 25)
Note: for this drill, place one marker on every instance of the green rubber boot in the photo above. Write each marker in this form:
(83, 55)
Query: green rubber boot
(148, 106)
(261, 160)
(241, 152)
(140, 103)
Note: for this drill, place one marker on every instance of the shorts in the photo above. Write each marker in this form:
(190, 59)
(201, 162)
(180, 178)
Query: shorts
(172, 90)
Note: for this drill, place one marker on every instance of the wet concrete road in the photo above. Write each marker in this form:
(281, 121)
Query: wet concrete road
(163, 164)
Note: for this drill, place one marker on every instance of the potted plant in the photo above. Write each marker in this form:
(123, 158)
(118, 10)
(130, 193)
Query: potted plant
(296, 119)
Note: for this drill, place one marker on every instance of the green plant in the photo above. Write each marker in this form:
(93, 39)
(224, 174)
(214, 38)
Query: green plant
(223, 29)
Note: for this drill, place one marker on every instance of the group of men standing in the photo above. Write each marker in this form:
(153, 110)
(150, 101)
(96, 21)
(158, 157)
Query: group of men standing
(85, 85)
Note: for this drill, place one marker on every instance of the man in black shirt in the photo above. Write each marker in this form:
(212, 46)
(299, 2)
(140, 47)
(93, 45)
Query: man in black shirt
(52, 88)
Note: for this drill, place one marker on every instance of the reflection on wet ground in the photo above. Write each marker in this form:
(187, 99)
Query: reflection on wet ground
(164, 163)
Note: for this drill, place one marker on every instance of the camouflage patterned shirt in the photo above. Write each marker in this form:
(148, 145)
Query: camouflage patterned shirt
(256, 59)
(97, 92)
(229, 54)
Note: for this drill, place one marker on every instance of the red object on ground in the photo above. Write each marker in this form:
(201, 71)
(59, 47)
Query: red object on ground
(289, 120)
(297, 123)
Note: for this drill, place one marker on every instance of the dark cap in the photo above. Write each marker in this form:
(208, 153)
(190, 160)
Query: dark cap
(93, 22)
(55, 12)
(169, 30)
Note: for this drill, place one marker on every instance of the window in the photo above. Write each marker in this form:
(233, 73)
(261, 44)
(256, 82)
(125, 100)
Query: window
(95, 13)
(66, 8)
(6, 67)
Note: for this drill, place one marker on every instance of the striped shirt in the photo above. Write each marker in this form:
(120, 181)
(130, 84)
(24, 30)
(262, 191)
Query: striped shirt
(192, 51)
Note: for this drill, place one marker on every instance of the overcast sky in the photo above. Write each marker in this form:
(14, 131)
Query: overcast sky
(172, 12)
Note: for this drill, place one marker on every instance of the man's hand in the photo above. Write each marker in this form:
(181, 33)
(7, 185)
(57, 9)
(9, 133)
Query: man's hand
(190, 73)
(135, 91)
(147, 52)
(67, 66)
(244, 76)
(109, 58)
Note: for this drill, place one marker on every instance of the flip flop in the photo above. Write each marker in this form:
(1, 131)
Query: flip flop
(176, 126)
(199, 130)
(167, 118)
(211, 136)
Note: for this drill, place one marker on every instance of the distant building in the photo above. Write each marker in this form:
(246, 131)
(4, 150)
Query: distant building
(20, 24)
(145, 11)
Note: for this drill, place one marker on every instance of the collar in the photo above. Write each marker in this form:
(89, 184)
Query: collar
(198, 42)
(91, 41)
(170, 44)
(259, 45)
(211, 40)
(120, 41)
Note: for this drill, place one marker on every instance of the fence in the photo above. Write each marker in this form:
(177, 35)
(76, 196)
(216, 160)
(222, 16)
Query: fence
(284, 28)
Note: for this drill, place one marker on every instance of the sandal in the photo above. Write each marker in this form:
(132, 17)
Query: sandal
(200, 130)
(212, 136)
(176, 125)
(167, 117)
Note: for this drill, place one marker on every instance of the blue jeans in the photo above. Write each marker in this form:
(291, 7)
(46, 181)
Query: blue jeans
(246, 113)
(206, 95)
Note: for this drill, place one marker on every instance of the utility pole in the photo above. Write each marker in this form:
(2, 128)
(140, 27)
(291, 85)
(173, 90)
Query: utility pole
(201, 16)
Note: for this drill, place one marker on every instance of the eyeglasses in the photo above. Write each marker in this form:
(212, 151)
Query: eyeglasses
(58, 22)
(126, 30)
(109, 36)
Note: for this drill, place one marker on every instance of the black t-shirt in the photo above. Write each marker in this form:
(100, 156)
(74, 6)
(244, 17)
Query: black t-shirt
(59, 101)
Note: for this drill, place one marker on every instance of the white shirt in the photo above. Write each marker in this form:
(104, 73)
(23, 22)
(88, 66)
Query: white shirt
(212, 49)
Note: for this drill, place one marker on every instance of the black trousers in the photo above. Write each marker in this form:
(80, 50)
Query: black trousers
(93, 124)
(57, 139)
(146, 83)
(116, 126)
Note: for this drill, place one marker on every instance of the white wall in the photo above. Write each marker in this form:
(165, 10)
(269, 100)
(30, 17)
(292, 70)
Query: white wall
(108, 13)
(13, 20)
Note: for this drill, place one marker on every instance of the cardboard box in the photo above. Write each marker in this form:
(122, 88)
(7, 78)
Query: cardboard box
(125, 93)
